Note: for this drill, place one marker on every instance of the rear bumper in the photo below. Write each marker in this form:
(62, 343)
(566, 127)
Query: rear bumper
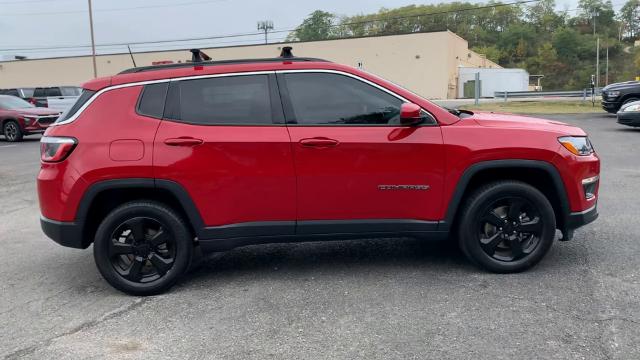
(578, 219)
(67, 234)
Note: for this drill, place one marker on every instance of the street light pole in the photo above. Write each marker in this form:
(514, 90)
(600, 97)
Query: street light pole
(93, 42)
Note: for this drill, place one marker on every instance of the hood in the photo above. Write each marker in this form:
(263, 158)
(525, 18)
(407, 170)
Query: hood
(38, 111)
(621, 85)
(512, 121)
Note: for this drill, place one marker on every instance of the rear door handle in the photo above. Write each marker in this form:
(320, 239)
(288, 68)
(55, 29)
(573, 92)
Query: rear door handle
(183, 141)
(319, 142)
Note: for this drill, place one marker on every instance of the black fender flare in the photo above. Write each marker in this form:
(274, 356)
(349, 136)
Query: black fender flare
(172, 187)
(474, 169)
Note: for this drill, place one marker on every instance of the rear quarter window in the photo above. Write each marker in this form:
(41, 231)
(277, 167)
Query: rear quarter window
(84, 97)
(152, 100)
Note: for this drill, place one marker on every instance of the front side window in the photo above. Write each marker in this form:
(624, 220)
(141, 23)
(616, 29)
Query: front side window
(229, 100)
(333, 99)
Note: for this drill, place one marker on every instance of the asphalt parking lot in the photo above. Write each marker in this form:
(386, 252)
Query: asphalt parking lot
(371, 299)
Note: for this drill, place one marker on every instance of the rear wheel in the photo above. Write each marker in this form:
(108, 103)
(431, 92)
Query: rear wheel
(12, 131)
(506, 227)
(142, 248)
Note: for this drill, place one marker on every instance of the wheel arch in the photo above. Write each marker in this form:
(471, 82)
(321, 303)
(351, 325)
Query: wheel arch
(540, 174)
(102, 197)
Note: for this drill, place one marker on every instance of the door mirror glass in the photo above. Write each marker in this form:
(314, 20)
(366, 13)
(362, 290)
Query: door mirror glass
(410, 114)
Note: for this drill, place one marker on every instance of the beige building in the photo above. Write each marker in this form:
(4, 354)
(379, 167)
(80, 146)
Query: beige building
(426, 63)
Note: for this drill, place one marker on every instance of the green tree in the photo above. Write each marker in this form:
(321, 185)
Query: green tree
(630, 19)
(318, 26)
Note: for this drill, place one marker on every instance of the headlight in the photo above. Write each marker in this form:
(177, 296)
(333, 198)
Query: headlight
(630, 108)
(613, 94)
(577, 145)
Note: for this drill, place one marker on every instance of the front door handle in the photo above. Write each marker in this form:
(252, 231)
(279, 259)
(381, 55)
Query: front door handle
(319, 142)
(183, 141)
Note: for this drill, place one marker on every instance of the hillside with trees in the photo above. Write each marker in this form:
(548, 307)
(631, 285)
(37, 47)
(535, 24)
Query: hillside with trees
(532, 35)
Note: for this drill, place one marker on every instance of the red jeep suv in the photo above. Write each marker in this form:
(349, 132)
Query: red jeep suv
(157, 161)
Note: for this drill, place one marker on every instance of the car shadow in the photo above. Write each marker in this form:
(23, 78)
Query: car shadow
(329, 256)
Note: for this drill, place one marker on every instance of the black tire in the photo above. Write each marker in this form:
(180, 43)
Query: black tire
(12, 131)
(142, 248)
(504, 247)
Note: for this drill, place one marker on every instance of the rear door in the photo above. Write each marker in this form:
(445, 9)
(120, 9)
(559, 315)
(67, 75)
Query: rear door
(358, 169)
(224, 140)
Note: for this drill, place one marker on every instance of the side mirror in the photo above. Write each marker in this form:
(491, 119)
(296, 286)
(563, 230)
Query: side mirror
(410, 114)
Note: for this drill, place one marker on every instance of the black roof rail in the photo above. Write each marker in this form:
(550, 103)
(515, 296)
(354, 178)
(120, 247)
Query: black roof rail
(217, 63)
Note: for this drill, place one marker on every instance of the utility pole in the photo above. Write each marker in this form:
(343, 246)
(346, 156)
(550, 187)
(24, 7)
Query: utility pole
(93, 42)
(597, 63)
(265, 26)
(595, 14)
(606, 78)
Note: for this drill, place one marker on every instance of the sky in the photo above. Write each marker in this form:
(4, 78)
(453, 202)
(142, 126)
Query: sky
(29, 24)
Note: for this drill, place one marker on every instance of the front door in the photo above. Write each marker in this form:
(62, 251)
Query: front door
(357, 169)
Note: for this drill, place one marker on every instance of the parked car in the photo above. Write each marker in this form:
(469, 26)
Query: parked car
(57, 97)
(23, 93)
(618, 94)
(155, 162)
(19, 118)
(629, 114)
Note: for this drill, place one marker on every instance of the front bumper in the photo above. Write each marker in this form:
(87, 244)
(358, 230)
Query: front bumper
(67, 234)
(630, 118)
(611, 106)
(578, 219)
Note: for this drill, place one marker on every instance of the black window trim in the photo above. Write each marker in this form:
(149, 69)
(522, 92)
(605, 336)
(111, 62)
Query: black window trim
(172, 109)
(290, 114)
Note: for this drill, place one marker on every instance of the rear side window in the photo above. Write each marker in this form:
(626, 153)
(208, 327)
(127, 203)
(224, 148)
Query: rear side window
(70, 91)
(27, 92)
(54, 91)
(229, 100)
(84, 97)
(39, 92)
(152, 100)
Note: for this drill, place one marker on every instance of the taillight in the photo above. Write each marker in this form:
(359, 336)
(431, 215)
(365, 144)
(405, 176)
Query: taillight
(56, 149)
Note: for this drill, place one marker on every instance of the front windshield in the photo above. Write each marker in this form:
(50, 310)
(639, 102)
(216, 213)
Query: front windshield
(12, 102)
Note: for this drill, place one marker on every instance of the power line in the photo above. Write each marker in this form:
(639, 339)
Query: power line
(276, 31)
(112, 9)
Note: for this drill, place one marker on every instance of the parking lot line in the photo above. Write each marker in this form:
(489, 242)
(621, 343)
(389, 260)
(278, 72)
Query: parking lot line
(6, 146)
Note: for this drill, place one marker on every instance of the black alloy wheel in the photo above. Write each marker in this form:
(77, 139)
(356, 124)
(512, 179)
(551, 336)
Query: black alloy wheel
(506, 226)
(143, 248)
(510, 229)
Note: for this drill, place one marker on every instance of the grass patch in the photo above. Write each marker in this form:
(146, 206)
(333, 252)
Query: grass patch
(538, 107)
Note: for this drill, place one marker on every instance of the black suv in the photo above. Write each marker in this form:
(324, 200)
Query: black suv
(618, 94)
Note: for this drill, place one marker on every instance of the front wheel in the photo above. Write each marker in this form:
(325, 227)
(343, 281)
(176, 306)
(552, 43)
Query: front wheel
(142, 248)
(12, 131)
(506, 226)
